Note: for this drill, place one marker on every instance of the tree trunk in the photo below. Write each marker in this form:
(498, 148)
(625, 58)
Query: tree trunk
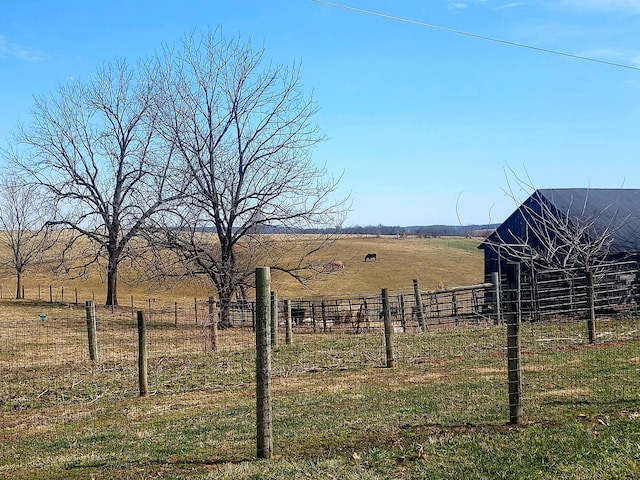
(112, 283)
(19, 294)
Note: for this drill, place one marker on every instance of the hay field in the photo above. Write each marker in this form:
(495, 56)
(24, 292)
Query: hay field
(451, 261)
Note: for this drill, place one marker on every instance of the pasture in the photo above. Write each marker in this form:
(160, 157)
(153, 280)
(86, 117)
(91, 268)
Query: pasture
(450, 261)
(441, 413)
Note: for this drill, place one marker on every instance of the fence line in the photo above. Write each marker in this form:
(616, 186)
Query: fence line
(334, 348)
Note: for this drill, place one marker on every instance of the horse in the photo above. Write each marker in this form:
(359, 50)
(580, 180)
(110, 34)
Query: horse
(336, 265)
(370, 256)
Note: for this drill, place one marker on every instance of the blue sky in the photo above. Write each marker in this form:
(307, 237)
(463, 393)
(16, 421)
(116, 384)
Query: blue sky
(421, 123)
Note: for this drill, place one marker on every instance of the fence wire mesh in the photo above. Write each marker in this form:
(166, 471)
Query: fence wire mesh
(329, 380)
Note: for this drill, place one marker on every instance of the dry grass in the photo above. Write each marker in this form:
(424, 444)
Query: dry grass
(433, 261)
(451, 262)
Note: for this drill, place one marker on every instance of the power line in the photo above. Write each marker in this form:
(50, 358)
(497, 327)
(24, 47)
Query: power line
(474, 35)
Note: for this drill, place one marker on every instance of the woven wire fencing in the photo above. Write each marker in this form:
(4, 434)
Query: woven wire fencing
(329, 375)
(580, 342)
(50, 387)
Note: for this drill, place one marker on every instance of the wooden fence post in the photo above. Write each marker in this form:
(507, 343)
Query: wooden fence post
(313, 316)
(388, 330)
(591, 300)
(495, 280)
(274, 319)
(323, 310)
(91, 330)
(175, 313)
(418, 297)
(513, 343)
(288, 336)
(195, 308)
(212, 327)
(253, 316)
(264, 429)
(142, 355)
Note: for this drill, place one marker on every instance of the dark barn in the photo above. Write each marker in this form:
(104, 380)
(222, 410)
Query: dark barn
(566, 228)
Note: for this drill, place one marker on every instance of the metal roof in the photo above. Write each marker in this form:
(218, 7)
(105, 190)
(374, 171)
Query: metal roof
(610, 209)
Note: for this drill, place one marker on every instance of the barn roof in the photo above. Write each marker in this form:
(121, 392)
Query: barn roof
(616, 210)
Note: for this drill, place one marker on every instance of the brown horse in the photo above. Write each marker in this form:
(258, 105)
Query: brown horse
(336, 265)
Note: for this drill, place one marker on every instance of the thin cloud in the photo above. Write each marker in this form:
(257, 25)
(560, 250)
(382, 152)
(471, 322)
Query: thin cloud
(626, 6)
(510, 5)
(9, 49)
(621, 55)
(469, 3)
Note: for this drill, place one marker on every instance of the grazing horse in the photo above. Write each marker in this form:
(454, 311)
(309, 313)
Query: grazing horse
(370, 256)
(336, 265)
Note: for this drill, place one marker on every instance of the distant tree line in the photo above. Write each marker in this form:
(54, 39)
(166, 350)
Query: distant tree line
(418, 231)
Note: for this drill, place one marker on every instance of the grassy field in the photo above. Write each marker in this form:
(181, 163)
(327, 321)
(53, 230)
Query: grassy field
(338, 414)
(433, 261)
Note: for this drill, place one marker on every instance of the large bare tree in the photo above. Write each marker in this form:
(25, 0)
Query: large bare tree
(25, 225)
(92, 147)
(243, 131)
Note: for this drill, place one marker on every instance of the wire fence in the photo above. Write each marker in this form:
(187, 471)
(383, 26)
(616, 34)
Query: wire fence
(450, 363)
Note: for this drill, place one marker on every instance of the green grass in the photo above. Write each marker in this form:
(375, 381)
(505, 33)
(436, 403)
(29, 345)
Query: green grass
(441, 413)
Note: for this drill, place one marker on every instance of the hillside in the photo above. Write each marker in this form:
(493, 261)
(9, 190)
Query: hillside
(443, 260)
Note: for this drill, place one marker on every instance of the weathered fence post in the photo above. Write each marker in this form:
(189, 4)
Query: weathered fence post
(91, 330)
(388, 329)
(195, 309)
(50, 294)
(513, 343)
(420, 310)
(212, 327)
(274, 319)
(313, 316)
(495, 280)
(403, 317)
(264, 439)
(591, 300)
(175, 313)
(288, 336)
(253, 316)
(142, 355)
(323, 310)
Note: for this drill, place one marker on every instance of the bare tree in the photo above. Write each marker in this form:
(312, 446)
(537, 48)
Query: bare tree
(92, 147)
(243, 131)
(25, 228)
(573, 235)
